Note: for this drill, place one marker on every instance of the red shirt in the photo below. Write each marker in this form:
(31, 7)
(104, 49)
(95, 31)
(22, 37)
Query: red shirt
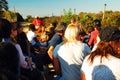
(93, 37)
(37, 22)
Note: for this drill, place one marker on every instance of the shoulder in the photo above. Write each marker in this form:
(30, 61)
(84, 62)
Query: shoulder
(102, 72)
(86, 47)
(17, 46)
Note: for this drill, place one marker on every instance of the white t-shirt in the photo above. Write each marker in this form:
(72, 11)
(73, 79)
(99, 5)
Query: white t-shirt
(111, 62)
(71, 57)
(31, 35)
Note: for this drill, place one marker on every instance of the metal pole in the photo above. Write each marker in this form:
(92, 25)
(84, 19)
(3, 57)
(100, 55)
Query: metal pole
(104, 12)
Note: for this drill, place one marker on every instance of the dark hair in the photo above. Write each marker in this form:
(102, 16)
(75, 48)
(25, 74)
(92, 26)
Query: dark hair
(97, 24)
(7, 75)
(90, 29)
(32, 27)
(109, 33)
(5, 28)
(17, 24)
(9, 59)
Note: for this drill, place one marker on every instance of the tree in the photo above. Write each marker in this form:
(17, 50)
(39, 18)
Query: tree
(11, 16)
(67, 15)
(3, 5)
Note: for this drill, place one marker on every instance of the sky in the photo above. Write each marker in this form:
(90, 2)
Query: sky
(43, 8)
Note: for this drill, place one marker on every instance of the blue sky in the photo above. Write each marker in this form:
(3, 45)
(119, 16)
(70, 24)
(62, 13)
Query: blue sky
(55, 7)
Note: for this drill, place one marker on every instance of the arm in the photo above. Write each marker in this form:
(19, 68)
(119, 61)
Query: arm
(91, 39)
(23, 63)
(82, 76)
(50, 52)
(56, 61)
(57, 66)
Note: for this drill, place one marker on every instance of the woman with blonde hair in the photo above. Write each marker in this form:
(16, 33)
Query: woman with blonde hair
(71, 53)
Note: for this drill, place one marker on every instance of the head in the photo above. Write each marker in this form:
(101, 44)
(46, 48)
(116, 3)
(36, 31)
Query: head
(60, 28)
(71, 33)
(8, 55)
(18, 26)
(73, 20)
(97, 24)
(36, 17)
(111, 35)
(13, 30)
(54, 24)
(5, 28)
(49, 30)
(32, 27)
(109, 43)
(90, 29)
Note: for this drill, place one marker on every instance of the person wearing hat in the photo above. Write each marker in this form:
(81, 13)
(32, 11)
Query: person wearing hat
(93, 35)
(107, 53)
(56, 39)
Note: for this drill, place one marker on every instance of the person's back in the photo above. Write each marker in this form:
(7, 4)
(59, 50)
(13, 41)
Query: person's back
(106, 53)
(56, 39)
(70, 56)
(71, 53)
(8, 55)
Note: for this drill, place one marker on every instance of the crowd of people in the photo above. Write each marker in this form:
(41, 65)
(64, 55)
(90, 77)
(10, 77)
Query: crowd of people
(76, 54)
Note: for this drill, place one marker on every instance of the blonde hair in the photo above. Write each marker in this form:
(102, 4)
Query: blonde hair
(71, 33)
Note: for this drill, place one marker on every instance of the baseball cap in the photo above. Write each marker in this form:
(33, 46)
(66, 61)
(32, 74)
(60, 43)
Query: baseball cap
(109, 33)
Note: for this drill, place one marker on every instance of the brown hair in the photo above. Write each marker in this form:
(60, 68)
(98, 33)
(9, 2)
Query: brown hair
(103, 49)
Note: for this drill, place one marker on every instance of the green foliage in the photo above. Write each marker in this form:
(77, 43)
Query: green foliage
(67, 16)
(54, 19)
(3, 5)
(12, 16)
(28, 17)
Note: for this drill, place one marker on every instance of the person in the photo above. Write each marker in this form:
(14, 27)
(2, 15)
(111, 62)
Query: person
(21, 38)
(56, 39)
(8, 55)
(32, 37)
(24, 43)
(37, 21)
(50, 31)
(93, 36)
(39, 25)
(88, 32)
(107, 53)
(8, 33)
(70, 53)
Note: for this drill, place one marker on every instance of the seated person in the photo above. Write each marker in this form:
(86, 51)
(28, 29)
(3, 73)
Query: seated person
(8, 55)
